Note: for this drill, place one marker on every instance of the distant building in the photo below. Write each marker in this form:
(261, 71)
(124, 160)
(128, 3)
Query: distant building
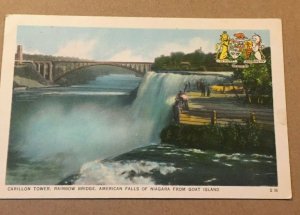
(185, 64)
(199, 50)
(19, 54)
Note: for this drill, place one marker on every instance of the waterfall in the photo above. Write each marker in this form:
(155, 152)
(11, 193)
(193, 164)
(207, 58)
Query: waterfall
(62, 131)
(151, 110)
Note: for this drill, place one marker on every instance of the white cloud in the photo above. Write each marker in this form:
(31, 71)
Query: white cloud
(127, 55)
(31, 51)
(186, 47)
(77, 48)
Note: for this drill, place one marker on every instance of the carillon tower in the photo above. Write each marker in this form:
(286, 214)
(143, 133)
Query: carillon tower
(19, 55)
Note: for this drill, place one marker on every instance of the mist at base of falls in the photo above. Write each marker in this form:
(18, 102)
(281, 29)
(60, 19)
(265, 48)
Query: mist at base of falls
(62, 128)
(107, 132)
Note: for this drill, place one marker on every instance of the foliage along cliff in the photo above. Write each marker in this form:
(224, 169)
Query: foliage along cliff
(195, 61)
(257, 80)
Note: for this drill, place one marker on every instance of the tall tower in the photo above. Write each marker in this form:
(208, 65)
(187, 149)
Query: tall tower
(19, 56)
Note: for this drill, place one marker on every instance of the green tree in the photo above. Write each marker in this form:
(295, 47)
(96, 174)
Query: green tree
(257, 81)
(176, 58)
(162, 62)
(197, 61)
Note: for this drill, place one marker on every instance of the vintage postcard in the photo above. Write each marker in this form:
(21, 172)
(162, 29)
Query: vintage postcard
(115, 107)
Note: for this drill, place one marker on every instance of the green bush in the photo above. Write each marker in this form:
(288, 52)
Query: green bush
(230, 138)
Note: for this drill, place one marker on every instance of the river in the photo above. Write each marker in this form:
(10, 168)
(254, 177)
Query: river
(107, 132)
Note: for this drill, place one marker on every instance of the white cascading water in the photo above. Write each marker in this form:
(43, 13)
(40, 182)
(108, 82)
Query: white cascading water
(150, 113)
(86, 132)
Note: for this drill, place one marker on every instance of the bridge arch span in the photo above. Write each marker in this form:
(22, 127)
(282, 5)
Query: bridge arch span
(64, 70)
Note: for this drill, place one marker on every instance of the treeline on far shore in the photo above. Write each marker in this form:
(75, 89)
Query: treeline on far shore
(248, 138)
(256, 80)
(195, 61)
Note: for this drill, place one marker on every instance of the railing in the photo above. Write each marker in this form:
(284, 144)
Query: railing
(214, 120)
(223, 117)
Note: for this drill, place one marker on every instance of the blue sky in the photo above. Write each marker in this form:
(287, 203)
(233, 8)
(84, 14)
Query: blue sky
(117, 44)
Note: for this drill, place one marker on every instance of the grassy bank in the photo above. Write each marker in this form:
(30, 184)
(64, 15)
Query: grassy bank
(233, 137)
(26, 76)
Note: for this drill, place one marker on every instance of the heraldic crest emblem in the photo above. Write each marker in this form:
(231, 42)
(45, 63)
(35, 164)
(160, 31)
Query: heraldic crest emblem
(240, 50)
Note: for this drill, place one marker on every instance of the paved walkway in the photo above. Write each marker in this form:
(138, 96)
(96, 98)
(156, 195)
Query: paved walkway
(227, 107)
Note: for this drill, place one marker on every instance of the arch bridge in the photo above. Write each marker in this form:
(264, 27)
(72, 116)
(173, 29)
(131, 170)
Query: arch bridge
(53, 70)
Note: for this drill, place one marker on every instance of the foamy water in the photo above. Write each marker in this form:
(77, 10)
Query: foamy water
(91, 131)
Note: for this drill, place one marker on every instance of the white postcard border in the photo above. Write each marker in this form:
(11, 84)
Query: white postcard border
(282, 191)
